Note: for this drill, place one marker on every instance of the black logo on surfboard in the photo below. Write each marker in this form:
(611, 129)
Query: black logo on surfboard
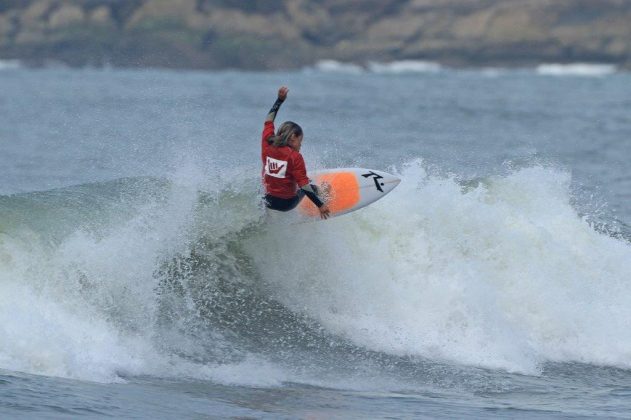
(376, 178)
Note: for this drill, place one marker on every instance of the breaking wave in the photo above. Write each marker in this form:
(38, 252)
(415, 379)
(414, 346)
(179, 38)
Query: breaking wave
(145, 276)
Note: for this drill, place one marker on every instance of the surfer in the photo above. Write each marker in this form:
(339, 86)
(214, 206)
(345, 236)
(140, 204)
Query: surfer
(284, 170)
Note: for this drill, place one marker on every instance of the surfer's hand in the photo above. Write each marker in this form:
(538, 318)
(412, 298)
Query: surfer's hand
(324, 211)
(282, 93)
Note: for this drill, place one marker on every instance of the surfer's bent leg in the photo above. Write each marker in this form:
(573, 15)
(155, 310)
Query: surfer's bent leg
(286, 204)
(283, 204)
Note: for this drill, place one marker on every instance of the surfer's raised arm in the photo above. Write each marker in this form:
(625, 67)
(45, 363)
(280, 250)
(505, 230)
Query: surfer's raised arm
(282, 95)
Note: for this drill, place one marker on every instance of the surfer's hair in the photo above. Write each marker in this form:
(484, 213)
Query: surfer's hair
(284, 133)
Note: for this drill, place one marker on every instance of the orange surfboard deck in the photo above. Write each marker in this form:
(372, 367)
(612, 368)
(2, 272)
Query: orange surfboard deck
(348, 189)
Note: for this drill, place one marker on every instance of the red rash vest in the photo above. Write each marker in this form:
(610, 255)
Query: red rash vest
(283, 168)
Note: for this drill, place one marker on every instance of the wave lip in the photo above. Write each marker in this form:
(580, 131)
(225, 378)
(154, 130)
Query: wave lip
(576, 69)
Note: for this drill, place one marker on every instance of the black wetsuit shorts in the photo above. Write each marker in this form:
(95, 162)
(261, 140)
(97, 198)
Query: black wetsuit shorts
(284, 204)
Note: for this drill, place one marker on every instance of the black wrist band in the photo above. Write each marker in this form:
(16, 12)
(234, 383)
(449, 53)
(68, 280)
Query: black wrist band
(276, 106)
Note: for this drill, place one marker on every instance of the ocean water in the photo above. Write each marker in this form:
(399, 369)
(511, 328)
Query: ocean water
(138, 277)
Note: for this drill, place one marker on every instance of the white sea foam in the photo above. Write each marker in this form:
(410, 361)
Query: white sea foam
(333, 66)
(405, 66)
(85, 305)
(502, 275)
(10, 64)
(493, 72)
(81, 308)
(576, 69)
(394, 67)
(41, 336)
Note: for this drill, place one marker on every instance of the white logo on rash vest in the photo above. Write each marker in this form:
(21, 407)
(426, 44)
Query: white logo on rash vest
(276, 168)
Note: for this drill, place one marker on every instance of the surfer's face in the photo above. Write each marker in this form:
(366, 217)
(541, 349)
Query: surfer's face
(295, 142)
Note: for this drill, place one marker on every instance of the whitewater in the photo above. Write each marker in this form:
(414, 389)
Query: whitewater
(137, 262)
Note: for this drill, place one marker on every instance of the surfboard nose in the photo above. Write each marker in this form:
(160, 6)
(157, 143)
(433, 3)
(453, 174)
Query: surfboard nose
(384, 181)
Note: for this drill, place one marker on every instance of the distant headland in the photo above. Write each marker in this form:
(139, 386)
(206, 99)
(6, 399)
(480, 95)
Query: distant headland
(286, 34)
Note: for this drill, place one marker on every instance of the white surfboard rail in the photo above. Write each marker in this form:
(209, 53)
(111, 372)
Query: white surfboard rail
(347, 189)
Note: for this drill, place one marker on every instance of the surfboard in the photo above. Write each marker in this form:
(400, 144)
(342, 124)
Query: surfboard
(346, 190)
